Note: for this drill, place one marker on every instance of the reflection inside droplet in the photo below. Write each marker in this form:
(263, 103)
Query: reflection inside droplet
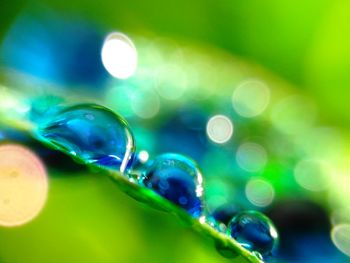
(255, 232)
(92, 134)
(178, 179)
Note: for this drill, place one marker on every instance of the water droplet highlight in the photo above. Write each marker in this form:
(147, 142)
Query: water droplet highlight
(255, 232)
(91, 133)
(178, 179)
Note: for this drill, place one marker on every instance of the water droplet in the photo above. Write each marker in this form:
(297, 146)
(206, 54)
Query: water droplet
(225, 251)
(91, 133)
(176, 178)
(255, 232)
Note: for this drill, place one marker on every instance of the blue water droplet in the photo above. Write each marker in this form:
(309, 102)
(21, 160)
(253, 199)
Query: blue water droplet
(255, 232)
(178, 179)
(93, 134)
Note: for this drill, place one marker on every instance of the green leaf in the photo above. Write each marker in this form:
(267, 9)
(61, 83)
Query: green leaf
(224, 243)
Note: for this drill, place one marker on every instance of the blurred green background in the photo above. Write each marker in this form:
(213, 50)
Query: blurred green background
(86, 219)
(305, 42)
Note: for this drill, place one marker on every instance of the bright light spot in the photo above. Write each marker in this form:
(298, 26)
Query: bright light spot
(202, 220)
(119, 56)
(251, 98)
(259, 192)
(219, 129)
(145, 103)
(143, 156)
(311, 174)
(23, 185)
(251, 157)
(12, 103)
(341, 238)
(273, 232)
(294, 114)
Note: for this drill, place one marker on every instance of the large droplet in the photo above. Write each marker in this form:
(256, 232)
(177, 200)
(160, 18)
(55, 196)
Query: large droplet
(92, 134)
(178, 179)
(255, 232)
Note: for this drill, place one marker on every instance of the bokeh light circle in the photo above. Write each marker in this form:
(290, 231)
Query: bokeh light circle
(143, 156)
(145, 103)
(259, 192)
(251, 157)
(341, 238)
(119, 55)
(312, 174)
(23, 185)
(219, 129)
(294, 114)
(251, 98)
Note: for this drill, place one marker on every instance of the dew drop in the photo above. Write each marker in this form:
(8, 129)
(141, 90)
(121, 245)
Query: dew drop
(178, 179)
(255, 232)
(225, 251)
(93, 134)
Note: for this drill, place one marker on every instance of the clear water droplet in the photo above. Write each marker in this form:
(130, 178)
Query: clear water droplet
(255, 232)
(178, 179)
(91, 133)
